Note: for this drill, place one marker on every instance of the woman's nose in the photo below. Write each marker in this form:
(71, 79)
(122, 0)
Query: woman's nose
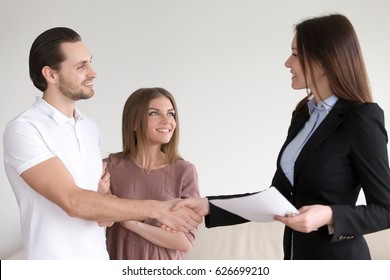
(287, 63)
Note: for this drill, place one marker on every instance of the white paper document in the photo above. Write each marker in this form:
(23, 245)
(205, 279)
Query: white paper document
(259, 207)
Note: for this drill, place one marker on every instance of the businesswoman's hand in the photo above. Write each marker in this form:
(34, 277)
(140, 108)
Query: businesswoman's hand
(309, 219)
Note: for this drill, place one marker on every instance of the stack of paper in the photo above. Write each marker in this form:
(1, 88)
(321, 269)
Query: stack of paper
(259, 207)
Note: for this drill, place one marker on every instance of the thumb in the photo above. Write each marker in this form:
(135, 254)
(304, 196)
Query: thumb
(179, 204)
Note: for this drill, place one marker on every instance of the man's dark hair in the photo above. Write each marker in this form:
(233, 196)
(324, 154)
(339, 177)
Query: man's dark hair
(46, 51)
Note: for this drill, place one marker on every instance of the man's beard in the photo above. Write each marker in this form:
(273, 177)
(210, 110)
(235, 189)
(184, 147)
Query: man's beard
(74, 93)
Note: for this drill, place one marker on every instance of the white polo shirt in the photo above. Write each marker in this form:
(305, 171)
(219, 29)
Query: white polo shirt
(37, 134)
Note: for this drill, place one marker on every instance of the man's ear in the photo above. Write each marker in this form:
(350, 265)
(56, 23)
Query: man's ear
(49, 74)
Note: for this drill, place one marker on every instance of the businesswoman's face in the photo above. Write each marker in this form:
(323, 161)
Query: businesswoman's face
(298, 80)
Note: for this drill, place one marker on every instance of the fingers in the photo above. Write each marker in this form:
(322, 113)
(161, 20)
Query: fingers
(200, 206)
(182, 219)
(105, 224)
(290, 214)
(297, 222)
(164, 227)
(104, 182)
(192, 220)
(187, 227)
(196, 219)
(105, 175)
(180, 204)
(167, 228)
(288, 219)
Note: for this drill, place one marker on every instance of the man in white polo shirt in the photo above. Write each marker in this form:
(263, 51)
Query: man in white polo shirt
(53, 162)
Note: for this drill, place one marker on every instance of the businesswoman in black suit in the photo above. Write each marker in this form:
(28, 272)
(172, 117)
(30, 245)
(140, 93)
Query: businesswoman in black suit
(336, 146)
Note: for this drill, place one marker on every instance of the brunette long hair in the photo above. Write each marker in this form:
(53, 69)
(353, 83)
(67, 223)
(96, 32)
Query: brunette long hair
(331, 41)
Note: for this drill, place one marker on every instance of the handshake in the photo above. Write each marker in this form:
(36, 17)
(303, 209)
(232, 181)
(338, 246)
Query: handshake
(183, 214)
(172, 215)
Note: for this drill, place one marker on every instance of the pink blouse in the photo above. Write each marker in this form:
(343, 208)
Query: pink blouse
(178, 180)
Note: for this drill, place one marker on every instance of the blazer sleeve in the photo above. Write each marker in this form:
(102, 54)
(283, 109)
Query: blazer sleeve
(221, 217)
(369, 156)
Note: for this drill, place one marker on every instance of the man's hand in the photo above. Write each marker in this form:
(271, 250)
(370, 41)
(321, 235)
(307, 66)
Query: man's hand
(199, 205)
(181, 219)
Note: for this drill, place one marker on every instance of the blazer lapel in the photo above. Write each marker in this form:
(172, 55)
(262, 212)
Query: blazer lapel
(336, 116)
(297, 122)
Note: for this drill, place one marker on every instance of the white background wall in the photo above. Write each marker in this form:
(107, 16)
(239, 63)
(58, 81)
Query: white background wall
(222, 60)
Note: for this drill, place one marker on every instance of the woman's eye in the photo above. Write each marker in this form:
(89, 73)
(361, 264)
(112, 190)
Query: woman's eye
(171, 114)
(153, 113)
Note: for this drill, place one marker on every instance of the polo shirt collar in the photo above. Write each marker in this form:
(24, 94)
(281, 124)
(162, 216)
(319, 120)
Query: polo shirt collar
(56, 115)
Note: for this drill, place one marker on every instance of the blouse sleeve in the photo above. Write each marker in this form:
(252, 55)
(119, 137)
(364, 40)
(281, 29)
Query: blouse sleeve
(190, 188)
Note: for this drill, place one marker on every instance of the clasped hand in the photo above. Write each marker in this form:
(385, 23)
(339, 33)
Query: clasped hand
(175, 215)
(309, 219)
(198, 206)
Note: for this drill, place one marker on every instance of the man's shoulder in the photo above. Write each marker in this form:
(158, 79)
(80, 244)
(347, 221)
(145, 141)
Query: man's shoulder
(22, 118)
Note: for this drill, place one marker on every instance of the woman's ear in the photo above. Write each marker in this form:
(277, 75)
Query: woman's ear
(321, 69)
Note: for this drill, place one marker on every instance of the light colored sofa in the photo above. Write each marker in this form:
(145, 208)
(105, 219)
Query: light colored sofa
(255, 241)
(262, 241)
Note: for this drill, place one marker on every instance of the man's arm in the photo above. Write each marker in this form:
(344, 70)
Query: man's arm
(52, 180)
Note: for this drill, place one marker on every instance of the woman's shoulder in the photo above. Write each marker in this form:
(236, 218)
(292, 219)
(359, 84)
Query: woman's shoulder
(184, 163)
(115, 159)
(357, 109)
(185, 170)
(111, 156)
(366, 117)
(370, 110)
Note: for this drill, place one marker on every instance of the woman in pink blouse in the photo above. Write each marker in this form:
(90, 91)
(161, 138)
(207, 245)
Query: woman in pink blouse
(149, 167)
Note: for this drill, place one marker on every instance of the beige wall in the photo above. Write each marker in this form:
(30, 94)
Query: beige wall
(223, 61)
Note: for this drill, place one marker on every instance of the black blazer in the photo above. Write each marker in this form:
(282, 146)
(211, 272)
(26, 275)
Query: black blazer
(346, 153)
